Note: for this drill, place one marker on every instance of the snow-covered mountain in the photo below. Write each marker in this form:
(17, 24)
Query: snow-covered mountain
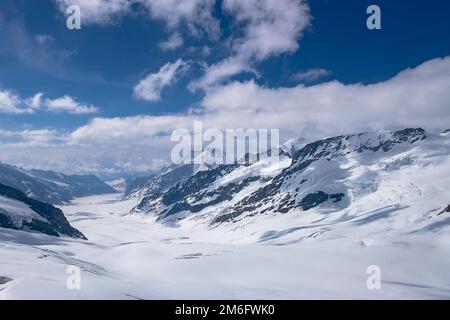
(177, 173)
(338, 174)
(19, 212)
(320, 217)
(52, 187)
(162, 182)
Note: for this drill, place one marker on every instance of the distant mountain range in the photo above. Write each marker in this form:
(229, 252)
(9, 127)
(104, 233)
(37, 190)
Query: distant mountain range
(52, 187)
(174, 174)
(160, 183)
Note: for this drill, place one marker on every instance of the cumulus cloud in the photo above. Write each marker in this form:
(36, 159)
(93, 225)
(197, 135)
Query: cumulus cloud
(68, 104)
(75, 152)
(414, 97)
(14, 104)
(142, 130)
(174, 42)
(262, 28)
(30, 138)
(35, 102)
(269, 28)
(311, 75)
(151, 87)
(11, 103)
(222, 70)
(195, 15)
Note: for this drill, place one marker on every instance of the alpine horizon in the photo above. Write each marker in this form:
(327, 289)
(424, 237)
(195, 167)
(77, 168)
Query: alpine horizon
(224, 158)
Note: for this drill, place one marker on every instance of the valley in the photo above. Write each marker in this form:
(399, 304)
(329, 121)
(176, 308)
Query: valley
(135, 258)
(391, 217)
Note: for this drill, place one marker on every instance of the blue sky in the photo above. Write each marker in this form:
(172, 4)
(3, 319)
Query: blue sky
(99, 67)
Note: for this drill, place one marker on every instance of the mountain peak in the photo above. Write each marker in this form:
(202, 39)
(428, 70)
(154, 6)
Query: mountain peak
(383, 140)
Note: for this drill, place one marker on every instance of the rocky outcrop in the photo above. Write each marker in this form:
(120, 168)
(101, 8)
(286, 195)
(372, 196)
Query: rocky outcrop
(17, 211)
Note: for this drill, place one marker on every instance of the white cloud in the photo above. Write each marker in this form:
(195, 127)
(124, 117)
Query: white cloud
(150, 88)
(14, 104)
(43, 39)
(137, 129)
(196, 15)
(97, 11)
(142, 165)
(415, 97)
(311, 75)
(28, 138)
(41, 136)
(270, 28)
(174, 42)
(220, 71)
(68, 104)
(11, 103)
(35, 102)
(262, 28)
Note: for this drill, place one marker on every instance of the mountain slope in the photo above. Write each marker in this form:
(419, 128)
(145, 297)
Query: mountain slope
(206, 189)
(169, 177)
(52, 187)
(17, 211)
(76, 185)
(287, 216)
(178, 173)
(349, 174)
(319, 172)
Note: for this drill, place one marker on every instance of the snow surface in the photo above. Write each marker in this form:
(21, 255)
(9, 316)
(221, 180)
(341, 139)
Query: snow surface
(18, 212)
(131, 257)
(393, 218)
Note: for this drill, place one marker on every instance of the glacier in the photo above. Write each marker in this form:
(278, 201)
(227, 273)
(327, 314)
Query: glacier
(308, 227)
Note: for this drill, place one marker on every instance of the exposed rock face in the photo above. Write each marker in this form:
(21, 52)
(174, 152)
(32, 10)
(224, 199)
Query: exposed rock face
(4, 280)
(313, 176)
(17, 211)
(445, 210)
(143, 187)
